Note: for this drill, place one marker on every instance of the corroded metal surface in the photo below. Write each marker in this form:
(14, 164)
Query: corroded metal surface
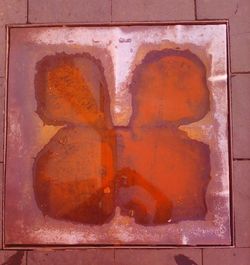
(117, 135)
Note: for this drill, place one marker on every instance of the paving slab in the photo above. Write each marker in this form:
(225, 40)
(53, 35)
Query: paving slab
(12, 257)
(76, 257)
(152, 10)
(158, 257)
(240, 52)
(239, 256)
(242, 202)
(241, 119)
(69, 11)
(11, 12)
(237, 12)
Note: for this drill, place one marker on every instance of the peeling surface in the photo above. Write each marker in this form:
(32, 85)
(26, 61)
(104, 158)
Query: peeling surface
(28, 134)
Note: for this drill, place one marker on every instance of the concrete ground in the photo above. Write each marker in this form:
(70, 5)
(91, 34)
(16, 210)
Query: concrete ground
(109, 11)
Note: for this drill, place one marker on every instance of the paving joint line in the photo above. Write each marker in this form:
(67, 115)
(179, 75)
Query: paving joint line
(195, 10)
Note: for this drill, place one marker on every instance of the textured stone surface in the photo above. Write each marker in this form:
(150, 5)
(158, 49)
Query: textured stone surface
(12, 258)
(242, 202)
(11, 11)
(158, 257)
(213, 9)
(152, 10)
(241, 117)
(238, 256)
(76, 257)
(237, 11)
(240, 52)
(69, 11)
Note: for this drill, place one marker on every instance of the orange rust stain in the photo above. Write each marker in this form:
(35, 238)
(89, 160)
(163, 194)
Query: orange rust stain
(147, 203)
(174, 168)
(152, 170)
(71, 176)
(66, 95)
(168, 89)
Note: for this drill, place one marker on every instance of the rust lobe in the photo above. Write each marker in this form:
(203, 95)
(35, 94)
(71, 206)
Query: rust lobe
(72, 89)
(169, 86)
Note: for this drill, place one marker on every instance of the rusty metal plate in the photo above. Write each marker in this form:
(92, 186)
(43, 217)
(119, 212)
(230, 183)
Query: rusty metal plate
(117, 135)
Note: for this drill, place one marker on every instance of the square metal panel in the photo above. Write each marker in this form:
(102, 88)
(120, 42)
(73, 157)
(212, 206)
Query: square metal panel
(117, 135)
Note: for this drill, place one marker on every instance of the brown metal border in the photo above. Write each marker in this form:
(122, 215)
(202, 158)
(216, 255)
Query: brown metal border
(230, 141)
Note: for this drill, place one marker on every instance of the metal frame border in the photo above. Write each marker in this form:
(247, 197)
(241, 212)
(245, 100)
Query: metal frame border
(122, 246)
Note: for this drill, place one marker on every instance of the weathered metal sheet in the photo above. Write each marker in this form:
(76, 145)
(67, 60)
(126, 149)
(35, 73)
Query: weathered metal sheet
(117, 135)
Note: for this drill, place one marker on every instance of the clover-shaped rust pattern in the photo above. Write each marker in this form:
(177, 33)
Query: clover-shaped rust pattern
(150, 169)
